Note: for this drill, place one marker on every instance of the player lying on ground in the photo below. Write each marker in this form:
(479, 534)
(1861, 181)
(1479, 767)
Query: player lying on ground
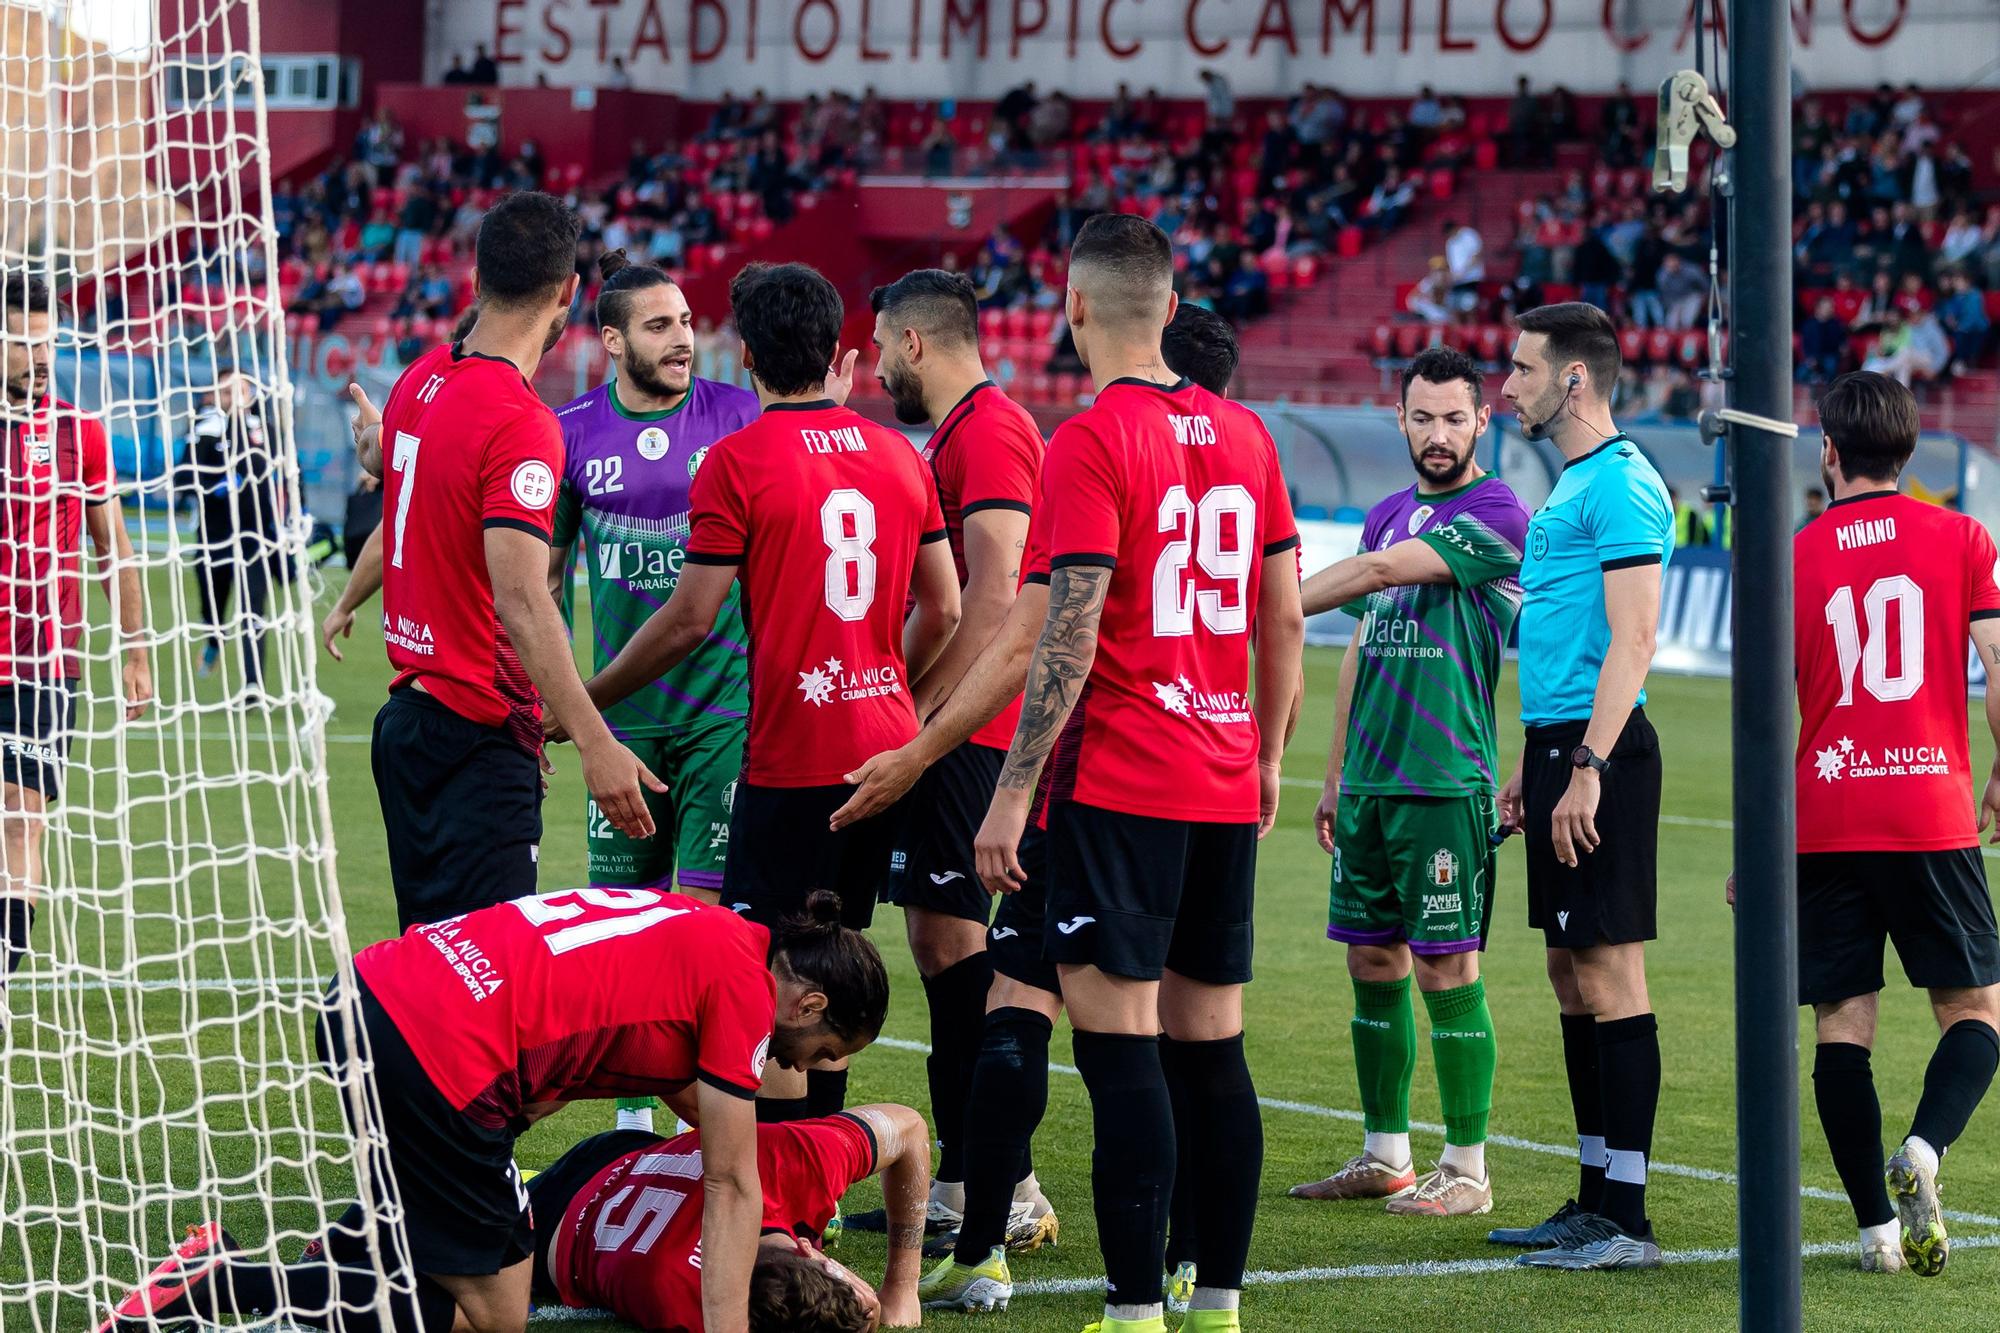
(482, 1024)
(618, 1224)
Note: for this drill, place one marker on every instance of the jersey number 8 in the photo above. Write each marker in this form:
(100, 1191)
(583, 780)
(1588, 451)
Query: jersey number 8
(847, 524)
(1218, 532)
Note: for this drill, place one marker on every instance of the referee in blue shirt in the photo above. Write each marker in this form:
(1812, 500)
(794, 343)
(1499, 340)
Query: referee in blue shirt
(1587, 793)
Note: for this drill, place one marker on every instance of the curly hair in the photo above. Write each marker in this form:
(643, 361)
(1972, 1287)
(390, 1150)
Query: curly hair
(790, 1293)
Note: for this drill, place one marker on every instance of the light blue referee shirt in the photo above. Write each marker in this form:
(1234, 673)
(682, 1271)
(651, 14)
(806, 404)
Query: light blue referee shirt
(1609, 510)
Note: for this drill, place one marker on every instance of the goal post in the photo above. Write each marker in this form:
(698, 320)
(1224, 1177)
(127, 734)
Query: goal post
(159, 1063)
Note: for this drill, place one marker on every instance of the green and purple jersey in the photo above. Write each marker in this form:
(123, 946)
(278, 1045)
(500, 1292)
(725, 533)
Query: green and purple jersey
(1421, 722)
(625, 500)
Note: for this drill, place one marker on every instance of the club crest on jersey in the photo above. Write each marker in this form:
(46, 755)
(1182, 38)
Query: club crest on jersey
(1181, 698)
(652, 444)
(757, 1059)
(1420, 516)
(695, 461)
(1443, 869)
(40, 450)
(1843, 759)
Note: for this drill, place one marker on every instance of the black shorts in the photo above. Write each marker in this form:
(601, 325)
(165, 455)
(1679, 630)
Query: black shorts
(1933, 905)
(35, 717)
(933, 866)
(462, 807)
(780, 850)
(1611, 897)
(1134, 895)
(552, 1192)
(464, 1206)
(1015, 940)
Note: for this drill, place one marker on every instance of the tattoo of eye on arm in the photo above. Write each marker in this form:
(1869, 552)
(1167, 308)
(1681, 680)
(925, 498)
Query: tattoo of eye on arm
(1061, 665)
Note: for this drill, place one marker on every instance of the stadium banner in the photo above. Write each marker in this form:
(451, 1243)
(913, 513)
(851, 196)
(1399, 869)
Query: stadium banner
(978, 49)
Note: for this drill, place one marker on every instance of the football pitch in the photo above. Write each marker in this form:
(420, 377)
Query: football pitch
(1325, 1266)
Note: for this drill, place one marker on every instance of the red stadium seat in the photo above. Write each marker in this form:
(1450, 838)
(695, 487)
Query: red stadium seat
(990, 323)
(1305, 271)
(1348, 244)
(1277, 270)
(1410, 339)
(1040, 324)
(1631, 182)
(761, 228)
(1659, 345)
(1485, 155)
(1441, 182)
(1492, 342)
(1632, 344)
(1383, 341)
(1692, 348)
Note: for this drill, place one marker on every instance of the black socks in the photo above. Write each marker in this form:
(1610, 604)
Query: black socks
(1960, 1071)
(782, 1110)
(17, 922)
(826, 1092)
(1628, 1069)
(1132, 1162)
(957, 999)
(1010, 1093)
(1586, 1099)
(1851, 1115)
(1220, 1131)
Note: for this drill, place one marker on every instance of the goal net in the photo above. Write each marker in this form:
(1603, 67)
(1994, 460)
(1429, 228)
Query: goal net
(158, 1066)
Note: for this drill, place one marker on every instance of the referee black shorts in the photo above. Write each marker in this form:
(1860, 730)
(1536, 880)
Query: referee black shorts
(1611, 895)
(1933, 905)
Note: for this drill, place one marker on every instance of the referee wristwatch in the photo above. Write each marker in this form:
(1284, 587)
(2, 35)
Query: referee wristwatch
(1585, 757)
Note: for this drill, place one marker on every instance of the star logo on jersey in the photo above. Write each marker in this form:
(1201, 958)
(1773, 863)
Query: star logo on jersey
(1173, 697)
(1847, 745)
(817, 685)
(695, 461)
(1832, 764)
(1183, 698)
(653, 444)
(1443, 868)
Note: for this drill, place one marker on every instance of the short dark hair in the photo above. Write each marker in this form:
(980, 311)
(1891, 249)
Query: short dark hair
(840, 963)
(1872, 422)
(942, 306)
(1442, 365)
(1200, 344)
(1578, 331)
(790, 1293)
(526, 248)
(623, 279)
(789, 317)
(1134, 255)
(25, 294)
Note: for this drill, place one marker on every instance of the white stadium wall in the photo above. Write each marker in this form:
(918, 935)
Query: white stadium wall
(977, 49)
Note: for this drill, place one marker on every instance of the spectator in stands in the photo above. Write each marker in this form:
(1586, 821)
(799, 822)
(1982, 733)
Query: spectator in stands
(1052, 120)
(619, 79)
(414, 225)
(1246, 293)
(1221, 99)
(1822, 343)
(1595, 270)
(1908, 349)
(455, 73)
(483, 70)
(1880, 301)
(1430, 299)
(939, 149)
(1010, 115)
(1388, 202)
(1683, 291)
(1274, 154)
(1465, 256)
(1962, 239)
(1815, 506)
(1426, 112)
(378, 237)
(1961, 310)
(1524, 126)
(1620, 138)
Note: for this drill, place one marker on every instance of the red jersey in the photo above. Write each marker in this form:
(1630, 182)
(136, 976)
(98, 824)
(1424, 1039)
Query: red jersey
(1179, 493)
(630, 1241)
(1886, 588)
(533, 1000)
(468, 446)
(822, 510)
(986, 454)
(58, 461)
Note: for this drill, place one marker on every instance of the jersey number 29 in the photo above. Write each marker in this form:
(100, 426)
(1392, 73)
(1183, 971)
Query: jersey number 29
(1218, 531)
(1872, 653)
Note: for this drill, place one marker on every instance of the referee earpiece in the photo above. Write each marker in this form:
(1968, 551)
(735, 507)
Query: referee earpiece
(1575, 379)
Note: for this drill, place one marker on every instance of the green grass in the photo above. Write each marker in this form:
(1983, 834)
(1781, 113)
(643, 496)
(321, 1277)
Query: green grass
(1297, 1026)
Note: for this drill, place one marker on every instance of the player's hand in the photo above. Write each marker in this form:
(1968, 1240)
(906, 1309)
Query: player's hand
(996, 849)
(1270, 780)
(338, 625)
(138, 683)
(553, 731)
(1989, 806)
(615, 778)
(1326, 815)
(367, 417)
(840, 376)
(878, 784)
(1509, 804)
(1573, 827)
(1729, 889)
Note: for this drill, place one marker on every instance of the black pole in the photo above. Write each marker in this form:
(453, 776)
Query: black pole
(1760, 275)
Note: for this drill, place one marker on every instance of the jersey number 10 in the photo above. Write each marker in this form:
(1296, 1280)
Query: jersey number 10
(1872, 654)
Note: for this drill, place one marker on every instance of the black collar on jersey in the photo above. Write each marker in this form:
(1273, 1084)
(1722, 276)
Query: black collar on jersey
(955, 418)
(816, 405)
(1585, 458)
(1865, 495)
(983, 384)
(1179, 384)
(458, 353)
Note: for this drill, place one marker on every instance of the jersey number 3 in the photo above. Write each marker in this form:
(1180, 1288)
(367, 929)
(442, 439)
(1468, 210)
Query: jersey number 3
(1872, 653)
(1218, 533)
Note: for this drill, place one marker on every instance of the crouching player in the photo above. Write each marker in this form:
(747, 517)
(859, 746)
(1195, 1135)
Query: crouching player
(479, 1025)
(618, 1224)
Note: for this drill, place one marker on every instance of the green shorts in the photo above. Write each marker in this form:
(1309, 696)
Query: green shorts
(1412, 870)
(700, 769)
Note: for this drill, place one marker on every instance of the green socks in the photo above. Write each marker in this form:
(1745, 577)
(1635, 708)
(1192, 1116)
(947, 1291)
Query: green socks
(1463, 1044)
(1385, 1053)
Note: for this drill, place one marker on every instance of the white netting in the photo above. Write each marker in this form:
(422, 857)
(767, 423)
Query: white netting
(159, 1065)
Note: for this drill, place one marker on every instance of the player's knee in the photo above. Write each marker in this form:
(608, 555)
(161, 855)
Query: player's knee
(939, 942)
(1447, 971)
(1007, 993)
(1376, 962)
(1850, 1021)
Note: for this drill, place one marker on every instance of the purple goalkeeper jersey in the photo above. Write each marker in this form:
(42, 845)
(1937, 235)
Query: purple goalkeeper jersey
(624, 498)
